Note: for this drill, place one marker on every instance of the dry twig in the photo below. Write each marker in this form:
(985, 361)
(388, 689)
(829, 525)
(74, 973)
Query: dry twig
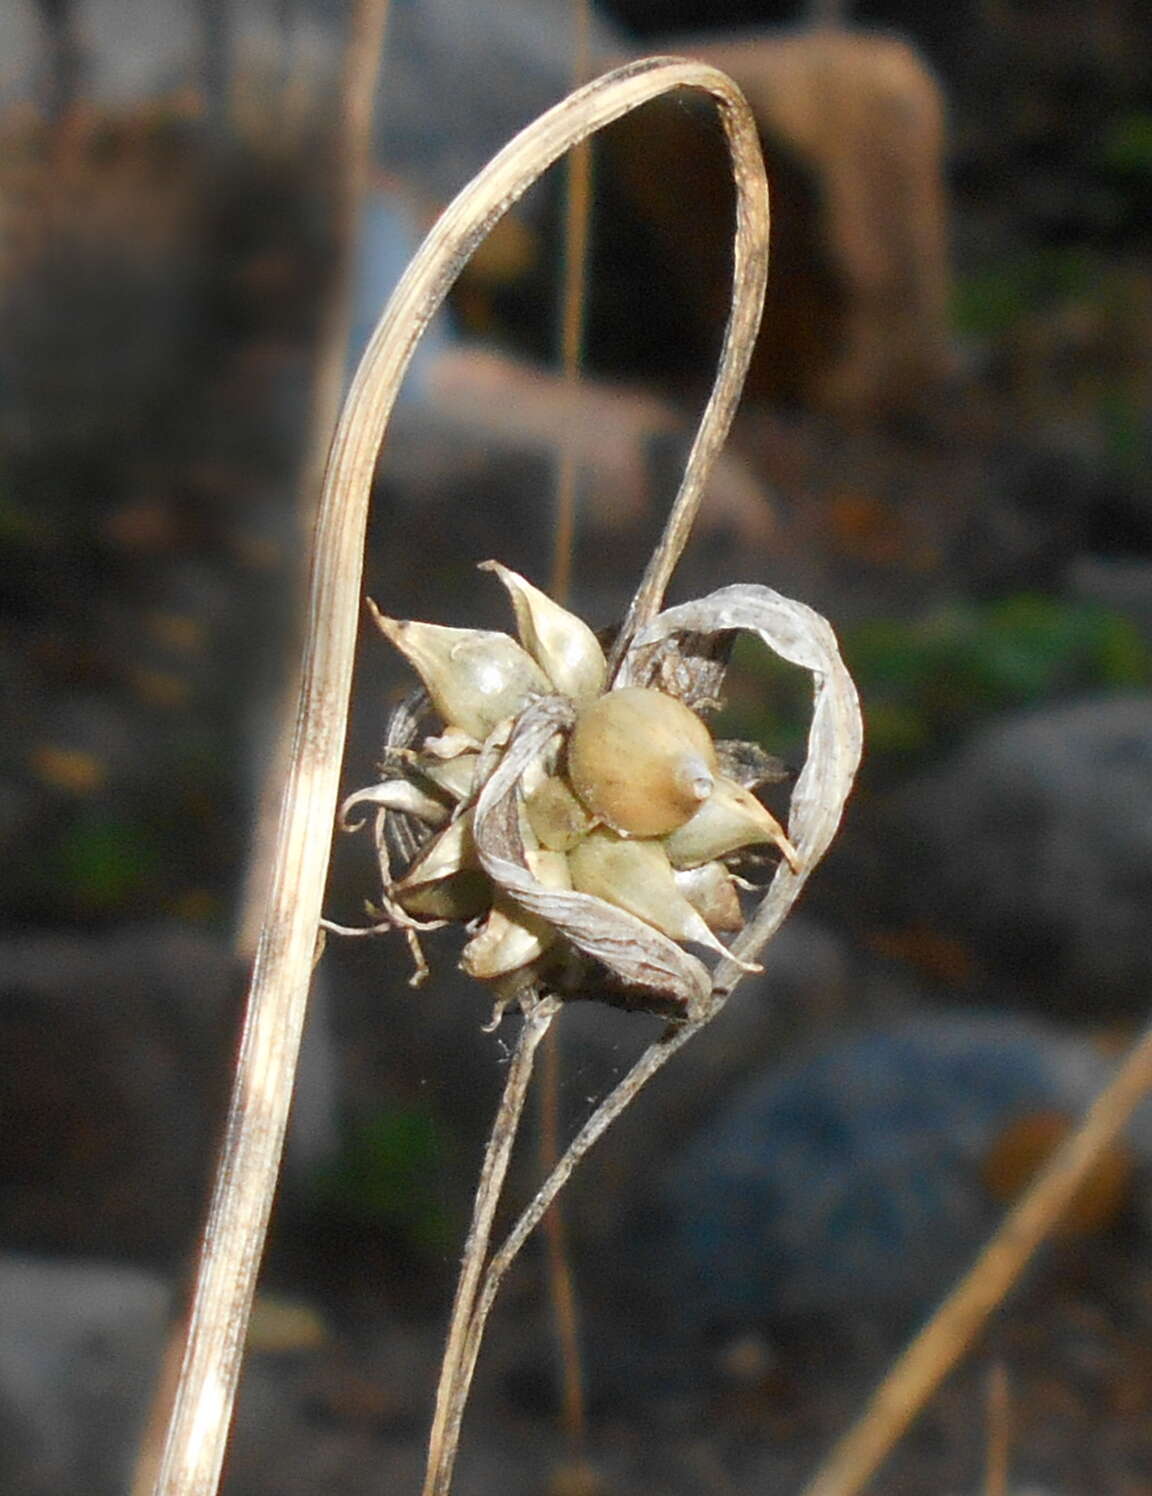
(917, 1373)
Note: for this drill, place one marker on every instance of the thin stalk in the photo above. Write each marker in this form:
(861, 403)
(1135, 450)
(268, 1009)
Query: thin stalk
(918, 1372)
(574, 297)
(561, 1280)
(999, 1436)
(250, 1160)
(456, 1370)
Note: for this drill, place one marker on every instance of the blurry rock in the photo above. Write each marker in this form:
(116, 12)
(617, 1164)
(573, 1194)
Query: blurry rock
(1123, 585)
(1034, 843)
(117, 1053)
(111, 1086)
(80, 1347)
(462, 78)
(853, 128)
(855, 1181)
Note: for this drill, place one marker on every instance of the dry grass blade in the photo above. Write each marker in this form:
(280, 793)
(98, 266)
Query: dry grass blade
(940, 1344)
(246, 1179)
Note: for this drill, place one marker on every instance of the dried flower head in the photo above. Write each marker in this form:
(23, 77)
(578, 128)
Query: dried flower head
(584, 825)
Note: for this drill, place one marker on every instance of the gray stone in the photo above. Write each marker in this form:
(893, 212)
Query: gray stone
(850, 1181)
(80, 1348)
(1035, 843)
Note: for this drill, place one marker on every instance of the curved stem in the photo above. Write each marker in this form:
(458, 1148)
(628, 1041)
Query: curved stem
(254, 1137)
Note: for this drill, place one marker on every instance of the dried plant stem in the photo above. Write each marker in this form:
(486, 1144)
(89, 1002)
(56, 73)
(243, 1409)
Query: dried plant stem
(456, 1368)
(577, 213)
(354, 157)
(998, 1439)
(573, 303)
(561, 1280)
(246, 1179)
(918, 1372)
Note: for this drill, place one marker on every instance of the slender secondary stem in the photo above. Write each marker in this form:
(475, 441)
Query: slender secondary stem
(573, 304)
(254, 1136)
(456, 1369)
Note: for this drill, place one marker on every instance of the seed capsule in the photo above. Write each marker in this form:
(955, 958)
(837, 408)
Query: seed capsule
(562, 645)
(637, 876)
(730, 818)
(475, 677)
(641, 761)
(456, 776)
(459, 896)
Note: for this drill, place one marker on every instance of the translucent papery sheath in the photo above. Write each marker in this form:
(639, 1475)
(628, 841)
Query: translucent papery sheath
(799, 635)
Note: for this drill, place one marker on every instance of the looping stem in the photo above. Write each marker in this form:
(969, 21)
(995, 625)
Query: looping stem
(250, 1160)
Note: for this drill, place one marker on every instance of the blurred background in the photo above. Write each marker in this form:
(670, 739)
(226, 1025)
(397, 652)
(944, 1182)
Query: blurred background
(944, 446)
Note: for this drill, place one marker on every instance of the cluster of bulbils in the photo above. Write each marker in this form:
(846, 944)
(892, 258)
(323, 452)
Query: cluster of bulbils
(582, 832)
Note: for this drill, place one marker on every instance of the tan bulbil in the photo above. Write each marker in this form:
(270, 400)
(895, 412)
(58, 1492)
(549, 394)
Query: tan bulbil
(636, 876)
(475, 677)
(730, 818)
(511, 937)
(556, 815)
(562, 645)
(641, 761)
(712, 893)
(456, 776)
(449, 852)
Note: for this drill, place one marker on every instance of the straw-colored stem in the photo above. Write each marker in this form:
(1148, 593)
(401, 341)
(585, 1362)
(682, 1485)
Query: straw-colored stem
(456, 1370)
(998, 1436)
(573, 303)
(246, 1179)
(918, 1372)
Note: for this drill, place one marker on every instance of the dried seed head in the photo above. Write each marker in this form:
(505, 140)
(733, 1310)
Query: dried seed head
(562, 645)
(475, 677)
(730, 818)
(641, 761)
